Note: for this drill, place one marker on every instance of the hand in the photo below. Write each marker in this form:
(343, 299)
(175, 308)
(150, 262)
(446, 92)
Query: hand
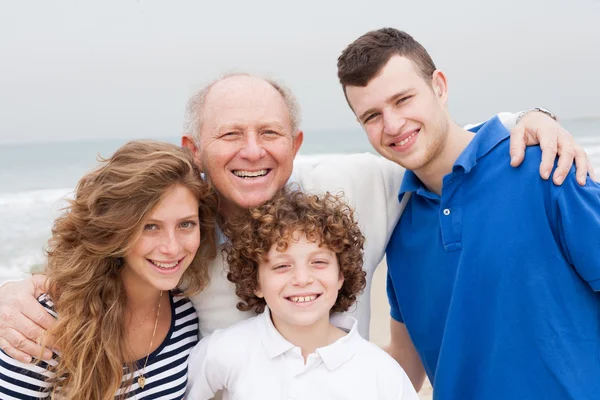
(538, 128)
(23, 321)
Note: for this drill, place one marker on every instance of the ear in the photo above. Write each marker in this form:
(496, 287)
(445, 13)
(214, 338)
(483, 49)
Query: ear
(297, 142)
(258, 292)
(188, 142)
(440, 86)
(340, 281)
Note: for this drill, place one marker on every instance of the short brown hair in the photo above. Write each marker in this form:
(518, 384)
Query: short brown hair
(364, 58)
(325, 219)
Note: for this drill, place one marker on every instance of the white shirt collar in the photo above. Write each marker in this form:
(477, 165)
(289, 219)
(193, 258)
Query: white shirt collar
(333, 355)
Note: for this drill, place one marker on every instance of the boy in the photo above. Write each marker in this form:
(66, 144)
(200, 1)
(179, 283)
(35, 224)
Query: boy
(296, 260)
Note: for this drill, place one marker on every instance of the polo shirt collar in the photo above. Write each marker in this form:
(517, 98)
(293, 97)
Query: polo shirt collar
(275, 344)
(343, 349)
(333, 356)
(488, 136)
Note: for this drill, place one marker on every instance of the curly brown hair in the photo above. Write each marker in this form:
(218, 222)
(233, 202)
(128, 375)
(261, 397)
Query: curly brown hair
(326, 219)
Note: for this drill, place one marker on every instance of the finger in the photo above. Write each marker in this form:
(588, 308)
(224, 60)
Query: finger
(564, 164)
(549, 146)
(592, 172)
(19, 344)
(39, 284)
(33, 312)
(582, 164)
(517, 146)
(14, 353)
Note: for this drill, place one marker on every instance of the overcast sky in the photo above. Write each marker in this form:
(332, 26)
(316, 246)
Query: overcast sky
(125, 68)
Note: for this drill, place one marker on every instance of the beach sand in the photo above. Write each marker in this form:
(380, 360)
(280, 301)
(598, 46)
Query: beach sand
(380, 318)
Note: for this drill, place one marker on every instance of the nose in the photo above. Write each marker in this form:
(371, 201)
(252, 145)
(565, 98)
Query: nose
(302, 276)
(252, 149)
(169, 244)
(392, 123)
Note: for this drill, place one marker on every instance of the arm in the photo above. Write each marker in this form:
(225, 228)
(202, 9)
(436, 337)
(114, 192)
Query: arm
(579, 228)
(19, 380)
(22, 319)
(402, 349)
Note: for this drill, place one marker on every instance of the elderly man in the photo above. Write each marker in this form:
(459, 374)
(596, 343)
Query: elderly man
(244, 133)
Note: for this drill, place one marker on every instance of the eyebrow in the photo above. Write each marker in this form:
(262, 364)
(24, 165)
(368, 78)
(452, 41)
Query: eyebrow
(389, 99)
(193, 216)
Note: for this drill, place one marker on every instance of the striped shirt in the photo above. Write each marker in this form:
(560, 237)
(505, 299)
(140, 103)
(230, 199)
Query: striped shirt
(165, 373)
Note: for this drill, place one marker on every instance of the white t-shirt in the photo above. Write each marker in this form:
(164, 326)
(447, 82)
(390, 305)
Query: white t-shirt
(251, 360)
(370, 184)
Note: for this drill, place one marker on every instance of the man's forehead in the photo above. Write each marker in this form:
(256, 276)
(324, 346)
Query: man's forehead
(240, 88)
(244, 100)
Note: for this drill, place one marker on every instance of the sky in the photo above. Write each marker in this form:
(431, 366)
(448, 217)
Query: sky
(83, 70)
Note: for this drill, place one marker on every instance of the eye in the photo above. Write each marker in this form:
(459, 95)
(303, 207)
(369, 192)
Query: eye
(370, 117)
(230, 135)
(271, 133)
(188, 224)
(320, 263)
(402, 100)
(281, 267)
(150, 227)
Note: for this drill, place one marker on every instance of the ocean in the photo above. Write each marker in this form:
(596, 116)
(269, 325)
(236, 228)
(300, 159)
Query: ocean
(36, 178)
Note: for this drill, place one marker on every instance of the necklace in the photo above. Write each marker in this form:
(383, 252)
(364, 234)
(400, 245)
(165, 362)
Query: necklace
(144, 320)
(141, 379)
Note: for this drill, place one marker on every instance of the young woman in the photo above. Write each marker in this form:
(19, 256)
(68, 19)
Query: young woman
(140, 225)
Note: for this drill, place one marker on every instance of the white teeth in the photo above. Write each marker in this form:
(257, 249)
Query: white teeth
(250, 174)
(303, 299)
(164, 265)
(403, 142)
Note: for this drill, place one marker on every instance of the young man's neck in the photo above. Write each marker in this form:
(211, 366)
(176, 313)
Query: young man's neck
(432, 174)
(309, 338)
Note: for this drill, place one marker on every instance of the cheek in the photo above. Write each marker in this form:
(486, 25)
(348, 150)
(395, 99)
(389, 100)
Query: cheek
(142, 247)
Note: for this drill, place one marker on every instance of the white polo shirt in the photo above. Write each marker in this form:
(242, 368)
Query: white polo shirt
(251, 360)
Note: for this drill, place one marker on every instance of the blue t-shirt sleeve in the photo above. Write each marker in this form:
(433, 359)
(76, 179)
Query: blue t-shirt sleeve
(391, 293)
(579, 227)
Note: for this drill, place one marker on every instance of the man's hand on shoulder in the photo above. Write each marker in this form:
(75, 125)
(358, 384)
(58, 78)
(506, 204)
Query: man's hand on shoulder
(23, 320)
(539, 128)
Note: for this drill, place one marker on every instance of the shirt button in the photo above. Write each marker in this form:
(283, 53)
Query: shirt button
(447, 211)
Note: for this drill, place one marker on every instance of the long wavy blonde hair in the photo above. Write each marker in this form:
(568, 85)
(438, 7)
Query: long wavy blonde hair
(100, 226)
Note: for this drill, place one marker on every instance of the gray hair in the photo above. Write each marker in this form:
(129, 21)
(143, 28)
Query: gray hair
(195, 106)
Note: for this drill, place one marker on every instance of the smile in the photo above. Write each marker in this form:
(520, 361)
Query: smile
(406, 139)
(166, 265)
(303, 299)
(250, 174)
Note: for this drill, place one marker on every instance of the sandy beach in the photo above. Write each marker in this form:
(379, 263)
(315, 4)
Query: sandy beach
(380, 318)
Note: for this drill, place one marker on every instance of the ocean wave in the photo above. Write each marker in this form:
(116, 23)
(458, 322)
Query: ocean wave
(35, 197)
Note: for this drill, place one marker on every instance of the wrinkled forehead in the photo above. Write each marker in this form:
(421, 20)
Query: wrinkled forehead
(245, 102)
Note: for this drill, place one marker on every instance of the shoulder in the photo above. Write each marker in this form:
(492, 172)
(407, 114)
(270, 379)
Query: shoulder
(378, 358)
(306, 164)
(224, 347)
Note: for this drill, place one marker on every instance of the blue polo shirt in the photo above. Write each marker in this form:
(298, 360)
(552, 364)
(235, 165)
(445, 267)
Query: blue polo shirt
(497, 278)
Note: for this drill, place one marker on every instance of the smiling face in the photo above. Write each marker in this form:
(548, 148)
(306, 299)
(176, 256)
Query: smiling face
(167, 244)
(300, 284)
(246, 146)
(404, 115)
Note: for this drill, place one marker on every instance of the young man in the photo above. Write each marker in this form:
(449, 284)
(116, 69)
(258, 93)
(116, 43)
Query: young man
(492, 271)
